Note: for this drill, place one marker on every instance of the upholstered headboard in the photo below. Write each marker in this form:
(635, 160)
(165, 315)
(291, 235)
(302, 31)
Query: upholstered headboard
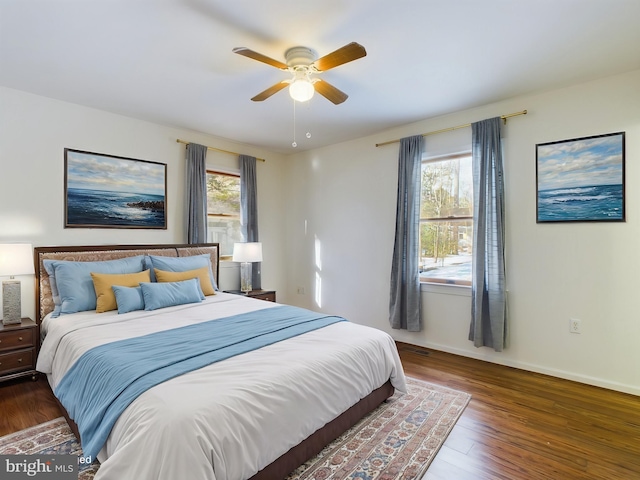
(92, 253)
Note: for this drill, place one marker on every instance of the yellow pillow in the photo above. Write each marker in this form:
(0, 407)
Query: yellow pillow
(201, 273)
(102, 282)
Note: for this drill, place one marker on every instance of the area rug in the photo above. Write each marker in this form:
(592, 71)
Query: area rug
(50, 438)
(396, 441)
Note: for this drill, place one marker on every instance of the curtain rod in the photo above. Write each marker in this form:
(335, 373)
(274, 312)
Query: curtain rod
(219, 150)
(504, 117)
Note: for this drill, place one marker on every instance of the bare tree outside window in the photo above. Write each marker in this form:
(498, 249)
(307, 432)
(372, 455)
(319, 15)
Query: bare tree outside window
(446, 220)
(223, 210)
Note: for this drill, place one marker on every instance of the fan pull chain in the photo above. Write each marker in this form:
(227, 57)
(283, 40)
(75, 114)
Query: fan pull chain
(308, 107)
(294, 144)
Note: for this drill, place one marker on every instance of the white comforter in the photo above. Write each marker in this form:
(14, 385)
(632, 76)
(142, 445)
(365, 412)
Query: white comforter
(232, 418)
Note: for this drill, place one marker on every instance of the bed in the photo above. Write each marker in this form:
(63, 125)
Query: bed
(256, 412)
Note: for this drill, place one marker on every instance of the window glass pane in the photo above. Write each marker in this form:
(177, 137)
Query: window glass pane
(223, 211)
(447, 188)
(223, 194)
(225, 231)
(446, 243)
(445, 251)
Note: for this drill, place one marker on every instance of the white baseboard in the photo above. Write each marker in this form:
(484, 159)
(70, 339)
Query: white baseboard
(597, 382)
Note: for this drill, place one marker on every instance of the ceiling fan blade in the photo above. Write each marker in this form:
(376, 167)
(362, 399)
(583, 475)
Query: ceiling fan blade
(259, 57)
(330, 92)
(343, 55)
(270, 91)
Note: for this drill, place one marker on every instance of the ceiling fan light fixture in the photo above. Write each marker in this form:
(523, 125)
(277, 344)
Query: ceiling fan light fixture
(304, 64)
(301, 89)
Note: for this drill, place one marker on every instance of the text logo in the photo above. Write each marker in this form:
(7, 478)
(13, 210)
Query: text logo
(40, 467)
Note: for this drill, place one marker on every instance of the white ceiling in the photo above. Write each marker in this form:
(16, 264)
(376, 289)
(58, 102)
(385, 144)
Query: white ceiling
(171, 62)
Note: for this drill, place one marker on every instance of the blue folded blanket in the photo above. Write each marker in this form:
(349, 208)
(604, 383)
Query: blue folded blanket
(107, 378)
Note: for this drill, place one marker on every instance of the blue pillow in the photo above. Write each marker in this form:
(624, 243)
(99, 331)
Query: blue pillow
(128, 299)
(48, 266)
(169, 294)
(180, 264)
(75, 285)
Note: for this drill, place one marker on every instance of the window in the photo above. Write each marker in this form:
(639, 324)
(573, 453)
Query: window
(446, 220)
(223, 210)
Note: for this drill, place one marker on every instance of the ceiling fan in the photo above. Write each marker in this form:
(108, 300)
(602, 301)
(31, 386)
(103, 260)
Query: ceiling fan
(302, 64)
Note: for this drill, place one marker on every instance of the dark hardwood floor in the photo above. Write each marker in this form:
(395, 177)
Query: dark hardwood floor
(518, 425)
(25, 403)
(523, 425)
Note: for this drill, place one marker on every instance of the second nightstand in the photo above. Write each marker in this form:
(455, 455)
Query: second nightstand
(268, 295)
(18, 349)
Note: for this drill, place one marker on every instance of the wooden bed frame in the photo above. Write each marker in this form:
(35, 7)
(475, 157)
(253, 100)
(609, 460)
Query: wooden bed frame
(288, 462)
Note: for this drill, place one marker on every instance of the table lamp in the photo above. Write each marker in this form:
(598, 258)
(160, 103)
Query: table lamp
(15, 259)
(246, 253)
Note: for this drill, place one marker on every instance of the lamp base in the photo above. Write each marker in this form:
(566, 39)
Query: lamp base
(11, 306)
(245, 277)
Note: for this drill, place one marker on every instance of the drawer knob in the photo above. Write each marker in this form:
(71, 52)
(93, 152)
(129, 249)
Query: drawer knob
(19, 360)
(19, 339)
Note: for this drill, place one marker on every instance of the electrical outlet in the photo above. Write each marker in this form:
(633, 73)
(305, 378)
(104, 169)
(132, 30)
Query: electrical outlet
(575, 325)
(300, 290)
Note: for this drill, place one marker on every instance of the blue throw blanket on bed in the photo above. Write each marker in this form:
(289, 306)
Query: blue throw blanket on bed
(107, 378)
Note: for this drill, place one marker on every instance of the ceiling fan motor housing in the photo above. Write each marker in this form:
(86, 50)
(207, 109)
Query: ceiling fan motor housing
(298, 56)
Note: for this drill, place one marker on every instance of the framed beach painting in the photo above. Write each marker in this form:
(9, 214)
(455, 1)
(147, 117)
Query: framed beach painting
(105, 191)
(581, 180)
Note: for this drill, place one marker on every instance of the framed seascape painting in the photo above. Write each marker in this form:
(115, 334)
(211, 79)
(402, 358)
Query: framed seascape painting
(581, 180)
(105, 191)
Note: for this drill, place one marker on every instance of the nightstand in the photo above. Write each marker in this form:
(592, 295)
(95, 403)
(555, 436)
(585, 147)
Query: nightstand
(18, 350)
(268, 295)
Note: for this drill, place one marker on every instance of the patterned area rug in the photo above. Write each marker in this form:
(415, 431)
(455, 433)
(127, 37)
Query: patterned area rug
(398, 440)
(49, 438)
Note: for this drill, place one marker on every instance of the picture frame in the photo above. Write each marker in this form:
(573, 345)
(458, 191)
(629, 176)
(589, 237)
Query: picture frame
(581, 179)
(108, 191)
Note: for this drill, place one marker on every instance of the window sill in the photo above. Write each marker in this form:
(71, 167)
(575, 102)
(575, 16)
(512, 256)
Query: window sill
(446, 289)
(227, 262)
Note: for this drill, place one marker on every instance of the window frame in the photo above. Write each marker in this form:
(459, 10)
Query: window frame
(218, 171)
(448, 218)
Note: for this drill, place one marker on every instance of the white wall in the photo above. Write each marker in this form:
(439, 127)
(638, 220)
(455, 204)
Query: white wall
(35, 130)
(342, 204)
(339, 202)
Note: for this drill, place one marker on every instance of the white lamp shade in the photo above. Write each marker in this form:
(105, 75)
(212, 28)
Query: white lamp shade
(247, 252)
(301, 90)
(16, 259)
